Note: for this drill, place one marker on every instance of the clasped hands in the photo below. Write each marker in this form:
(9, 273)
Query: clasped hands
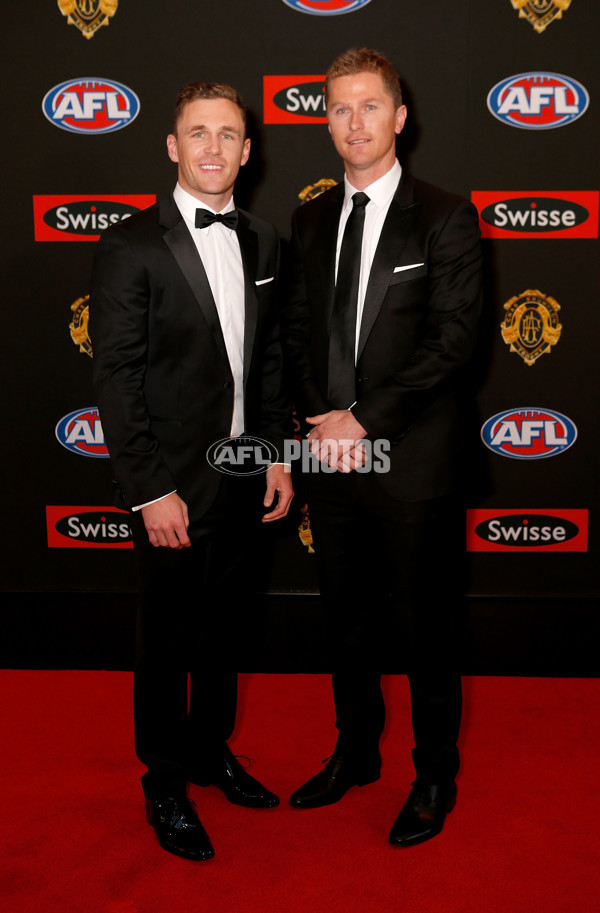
(336, 439)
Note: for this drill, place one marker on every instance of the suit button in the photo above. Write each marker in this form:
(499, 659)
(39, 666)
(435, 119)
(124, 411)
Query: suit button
(227, 385)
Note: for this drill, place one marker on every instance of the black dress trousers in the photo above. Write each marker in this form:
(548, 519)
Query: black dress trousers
(185, 680)
(389, 574)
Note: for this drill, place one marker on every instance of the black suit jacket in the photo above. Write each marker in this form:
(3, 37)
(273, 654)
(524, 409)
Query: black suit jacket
(161, 372)
(418, 327)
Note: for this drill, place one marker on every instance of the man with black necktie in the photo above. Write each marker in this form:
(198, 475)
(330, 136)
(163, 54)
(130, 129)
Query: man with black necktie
(382, 315)
(186, 353)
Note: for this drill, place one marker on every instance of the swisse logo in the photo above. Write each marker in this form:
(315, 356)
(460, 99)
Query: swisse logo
(90, 105)
(81, 432)
(88, 527)
(326, 7)
(527, 531)
(528, 433)
(95, 526)
(294, 99)
(307, 99)
(538, 101)
(242, 456)
(552, 214)
(82, 218)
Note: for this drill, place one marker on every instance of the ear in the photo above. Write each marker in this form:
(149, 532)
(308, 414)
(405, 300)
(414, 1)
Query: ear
(172, 147)
(400, 118)
(245, 152)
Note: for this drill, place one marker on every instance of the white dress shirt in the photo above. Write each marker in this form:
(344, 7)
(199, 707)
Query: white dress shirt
(380, 193)
(220, 253)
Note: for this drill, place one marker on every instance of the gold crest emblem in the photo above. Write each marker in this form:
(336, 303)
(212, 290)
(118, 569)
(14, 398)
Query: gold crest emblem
(540, 13)
(79, 325)
(531, 325)
(304, 530)
(314, 190)
(88, 15)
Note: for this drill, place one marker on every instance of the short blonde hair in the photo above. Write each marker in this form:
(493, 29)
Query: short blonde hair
(364, 60)
(197, 90)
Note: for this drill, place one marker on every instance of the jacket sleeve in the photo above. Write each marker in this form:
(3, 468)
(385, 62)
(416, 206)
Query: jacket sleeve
(275, 407)
(296, 326)
(452, 312)
(119, 309)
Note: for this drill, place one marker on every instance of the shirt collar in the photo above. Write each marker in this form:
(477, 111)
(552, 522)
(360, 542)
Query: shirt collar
(380, 191)
(188, 204)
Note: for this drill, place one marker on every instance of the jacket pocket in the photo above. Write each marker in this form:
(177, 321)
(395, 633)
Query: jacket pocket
(407, 274)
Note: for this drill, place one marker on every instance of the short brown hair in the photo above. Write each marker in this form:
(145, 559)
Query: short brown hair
(197, 90)
(364, 60)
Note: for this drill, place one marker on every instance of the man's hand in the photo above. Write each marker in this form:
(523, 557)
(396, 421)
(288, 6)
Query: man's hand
(279, 479)
(335, 437)
(166, 522)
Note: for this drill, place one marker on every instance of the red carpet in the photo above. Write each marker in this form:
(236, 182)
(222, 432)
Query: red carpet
(523, 838)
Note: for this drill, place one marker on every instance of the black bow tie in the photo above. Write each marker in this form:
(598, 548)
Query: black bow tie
(205, 218)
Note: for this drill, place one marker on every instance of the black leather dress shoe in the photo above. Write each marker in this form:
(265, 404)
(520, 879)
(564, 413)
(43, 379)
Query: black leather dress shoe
(236, 783)
(423, 814)
(178, 828)
(331, 783)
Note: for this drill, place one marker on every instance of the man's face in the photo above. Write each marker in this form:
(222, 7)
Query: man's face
(363, 123)
(209, 147)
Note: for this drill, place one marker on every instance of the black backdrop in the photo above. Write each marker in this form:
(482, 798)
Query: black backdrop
(450, 53)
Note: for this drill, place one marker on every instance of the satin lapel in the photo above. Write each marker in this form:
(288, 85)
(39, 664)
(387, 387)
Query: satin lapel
(249, 249)
(180, 243)
(394, 234)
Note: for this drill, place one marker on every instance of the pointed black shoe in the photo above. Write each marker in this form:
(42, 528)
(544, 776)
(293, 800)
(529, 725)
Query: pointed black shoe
(423, 814)
(236, 783)
(336, 778)
(178, 827)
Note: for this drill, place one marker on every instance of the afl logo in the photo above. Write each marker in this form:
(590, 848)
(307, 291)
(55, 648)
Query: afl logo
(81, 432)
(243, 456)
(528, 433)
(90, 105)
(538, 101)
(326, 7)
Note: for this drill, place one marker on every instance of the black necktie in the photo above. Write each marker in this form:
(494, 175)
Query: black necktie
(342, 340)
(205, 218)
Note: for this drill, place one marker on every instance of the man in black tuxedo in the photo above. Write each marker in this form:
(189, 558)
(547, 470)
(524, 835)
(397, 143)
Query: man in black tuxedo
(382, 314)
(186, 353)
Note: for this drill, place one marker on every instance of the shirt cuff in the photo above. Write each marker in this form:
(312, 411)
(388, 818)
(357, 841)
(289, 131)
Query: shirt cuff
(139, 506)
